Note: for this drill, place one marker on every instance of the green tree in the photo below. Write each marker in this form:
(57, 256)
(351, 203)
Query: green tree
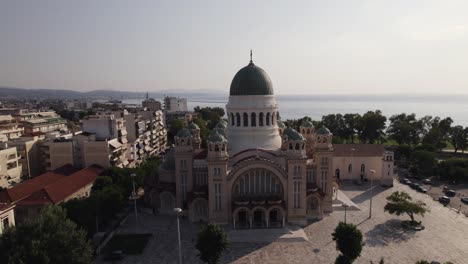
(211, 242)
(439, 132)
(404, 129)
(422, 262)
(174, 126)
(49, 238)
(402, 203)
(459, 138)
(371, 127)
(348, 240)
(423, 162)
(101, 182)
(336, 124)
(351, 124)
(211, 115)
(453, 169)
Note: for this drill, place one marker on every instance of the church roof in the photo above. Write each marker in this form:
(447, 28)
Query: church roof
(192, 126)
(184, 132)
(215, 136)
(251, 80)
(323, 131)
(280, 124)
(307, 123)
(292, 134)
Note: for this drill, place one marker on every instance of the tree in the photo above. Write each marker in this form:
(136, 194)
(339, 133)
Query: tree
(423, 162)
(211, 242)
(336, 124)
(49, 238)
(351, 124)
(371, 127)
(211, 115)
(439, 132)
(459, 138)
(401, 203)
(348, 241)
(174, 126)
(403, 129)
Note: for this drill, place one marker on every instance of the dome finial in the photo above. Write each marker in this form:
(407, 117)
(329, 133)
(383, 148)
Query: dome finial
(251, 56)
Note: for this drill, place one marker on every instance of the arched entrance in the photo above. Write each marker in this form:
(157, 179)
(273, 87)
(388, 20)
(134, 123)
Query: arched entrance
(276, 217)
(167, 202)
(199, 210)
(313, 207)
(241, 218)
(259, 217)
(337, 174)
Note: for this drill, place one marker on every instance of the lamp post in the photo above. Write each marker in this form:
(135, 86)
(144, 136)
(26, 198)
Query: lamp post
(352, 162)
(371, 187)
(178, 211)
(345, 207)
(134, 196)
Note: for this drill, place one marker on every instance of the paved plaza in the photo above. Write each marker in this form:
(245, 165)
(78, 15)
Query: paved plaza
(444, 239)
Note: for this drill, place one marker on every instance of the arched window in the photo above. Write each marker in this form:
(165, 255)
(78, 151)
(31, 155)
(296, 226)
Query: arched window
(267, 119)
(246, 119)
(260, 119)
(297, 146)
(216, 148)
(308, 131)
(253, 119)
(290, 146)
(363, 168)
(232, 119)
(238, 120)
(350, 168)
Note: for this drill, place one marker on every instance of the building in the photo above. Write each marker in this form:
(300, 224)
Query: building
(9, 128)
(30, 152)
(53, 187)
(175, 104)
(10, 167)
(7, 217)
(255, 172)
(151, 104)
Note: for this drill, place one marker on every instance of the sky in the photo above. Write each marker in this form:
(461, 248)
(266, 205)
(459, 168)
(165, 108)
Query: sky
(306, 47)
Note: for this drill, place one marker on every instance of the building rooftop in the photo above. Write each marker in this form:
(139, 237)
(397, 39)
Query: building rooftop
(358, 150)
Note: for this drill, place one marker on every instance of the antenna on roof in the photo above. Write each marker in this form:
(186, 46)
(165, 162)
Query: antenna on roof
(251, 56)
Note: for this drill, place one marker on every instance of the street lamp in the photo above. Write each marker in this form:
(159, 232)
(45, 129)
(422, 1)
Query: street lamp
(345, 207)
(178, 211)
(371, 186)
(352, 161)
(134, 196)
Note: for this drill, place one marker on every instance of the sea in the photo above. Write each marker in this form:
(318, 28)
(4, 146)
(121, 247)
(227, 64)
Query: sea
(316, 106)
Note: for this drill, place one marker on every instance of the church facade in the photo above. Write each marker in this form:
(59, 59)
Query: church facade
(255, 172)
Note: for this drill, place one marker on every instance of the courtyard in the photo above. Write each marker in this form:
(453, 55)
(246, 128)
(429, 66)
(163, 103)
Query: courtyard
(444, 239)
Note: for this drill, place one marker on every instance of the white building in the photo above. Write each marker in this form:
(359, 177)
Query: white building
(175, 104)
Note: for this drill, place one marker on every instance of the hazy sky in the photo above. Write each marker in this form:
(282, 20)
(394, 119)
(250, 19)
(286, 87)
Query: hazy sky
(305, 46)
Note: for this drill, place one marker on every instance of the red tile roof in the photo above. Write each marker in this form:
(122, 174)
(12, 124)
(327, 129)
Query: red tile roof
(51, 187)
(5, 207)
(360, 150)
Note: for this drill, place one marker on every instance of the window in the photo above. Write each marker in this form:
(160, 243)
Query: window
(267, 119)
(217, 191)
(311, 176)
(324, 180)
(297, 194)
(246, 119)
(350, 168)
(260, 119)
(253, 119)
(5, 223)
(232, 119)
(363, 168)
(183, 185)
(238, 120)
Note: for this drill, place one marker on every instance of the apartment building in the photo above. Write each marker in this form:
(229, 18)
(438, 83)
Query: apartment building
(9, 128)
(30, 155)
(175, 104)
(151, 105)
(10, 167)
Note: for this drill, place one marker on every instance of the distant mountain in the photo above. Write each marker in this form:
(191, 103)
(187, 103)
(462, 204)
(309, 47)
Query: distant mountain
(21, 93)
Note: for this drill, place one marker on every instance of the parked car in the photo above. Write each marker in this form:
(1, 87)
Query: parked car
(464, 200)
(405, 181)
(426, 181)
(415, 185)
(444, 200)
(422, 189)
(450, 193)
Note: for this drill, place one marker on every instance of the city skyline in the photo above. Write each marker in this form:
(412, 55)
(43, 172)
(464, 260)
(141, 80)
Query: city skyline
(307, 47)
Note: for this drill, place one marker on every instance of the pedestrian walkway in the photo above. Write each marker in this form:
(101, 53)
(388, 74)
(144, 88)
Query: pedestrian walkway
(286, 234)
(343, 199)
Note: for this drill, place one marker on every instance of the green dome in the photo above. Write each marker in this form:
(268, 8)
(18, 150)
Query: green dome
(292, 134)
(193, 126)
(184, 133)
(169, 161)
(221, 131)
(221, 125)
(307, 123)
(251, 80)
(280, 124)
(323, 131)
(215, 136)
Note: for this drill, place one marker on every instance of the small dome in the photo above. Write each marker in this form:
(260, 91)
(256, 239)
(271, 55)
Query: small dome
(169, 161)
(184, 133)
(221, 131)
(251, 80)
(280, 124)
(221, 125)
(216, 137)
(307, 123)
(193, 126)
(223, 122)
(292, 134)
(323, 131)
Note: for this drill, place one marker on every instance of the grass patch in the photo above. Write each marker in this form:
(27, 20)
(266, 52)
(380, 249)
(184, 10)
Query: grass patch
(130, 244)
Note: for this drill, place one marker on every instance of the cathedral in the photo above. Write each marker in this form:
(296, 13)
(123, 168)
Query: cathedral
(257, 173)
